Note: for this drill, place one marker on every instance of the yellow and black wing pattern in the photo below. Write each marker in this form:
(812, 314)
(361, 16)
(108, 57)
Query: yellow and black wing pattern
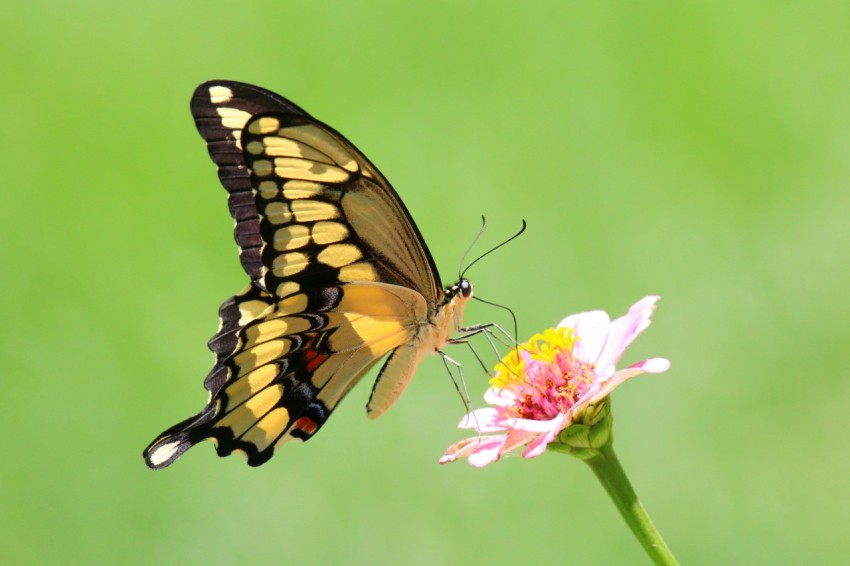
(339, 278)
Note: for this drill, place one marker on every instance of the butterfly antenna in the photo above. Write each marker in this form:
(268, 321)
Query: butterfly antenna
(485, 254)
(477, 237)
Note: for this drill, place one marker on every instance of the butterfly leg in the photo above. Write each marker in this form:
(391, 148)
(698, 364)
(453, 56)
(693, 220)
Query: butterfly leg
(464, 394)
(505, 339)
(464, 340)
(459, 382)
(503, 336)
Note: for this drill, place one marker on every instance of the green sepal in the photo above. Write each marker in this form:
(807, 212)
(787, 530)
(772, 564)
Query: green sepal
(591, 431)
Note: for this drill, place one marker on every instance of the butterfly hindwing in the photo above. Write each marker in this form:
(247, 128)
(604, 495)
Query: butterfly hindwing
(290, 365)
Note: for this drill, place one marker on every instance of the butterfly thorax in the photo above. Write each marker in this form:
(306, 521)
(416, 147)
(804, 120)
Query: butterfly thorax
(447, 315)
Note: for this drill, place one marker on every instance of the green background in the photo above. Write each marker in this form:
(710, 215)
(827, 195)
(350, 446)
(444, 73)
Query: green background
(698, 151)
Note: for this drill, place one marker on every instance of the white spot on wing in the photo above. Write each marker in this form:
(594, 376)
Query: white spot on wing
(235, 120)
(219, 94)
(164, 453)
(233, 117)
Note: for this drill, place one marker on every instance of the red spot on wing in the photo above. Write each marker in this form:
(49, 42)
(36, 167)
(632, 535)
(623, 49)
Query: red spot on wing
(307, 425)
(313, 359)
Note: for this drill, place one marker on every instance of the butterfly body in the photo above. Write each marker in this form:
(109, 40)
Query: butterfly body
(340, 278)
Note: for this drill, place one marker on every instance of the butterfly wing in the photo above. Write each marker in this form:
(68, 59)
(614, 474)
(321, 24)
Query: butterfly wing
(222, 109)
(340, 276)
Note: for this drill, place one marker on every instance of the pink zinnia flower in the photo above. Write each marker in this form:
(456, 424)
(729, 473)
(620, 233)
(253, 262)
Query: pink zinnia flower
(550, 382)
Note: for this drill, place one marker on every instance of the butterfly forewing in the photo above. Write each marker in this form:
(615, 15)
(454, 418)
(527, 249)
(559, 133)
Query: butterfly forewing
(326, 214)
(221, 109)
(340, 277)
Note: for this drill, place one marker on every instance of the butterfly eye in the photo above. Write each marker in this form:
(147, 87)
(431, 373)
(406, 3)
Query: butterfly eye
(465, 289)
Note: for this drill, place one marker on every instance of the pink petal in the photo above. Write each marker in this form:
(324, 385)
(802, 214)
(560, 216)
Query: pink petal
(653, 365)
(625, 329)
(536, 427)
(485, 455)
(591, 328)
(487, 452)
(516, 438)
(448, 458)
(538, 445)
(500, 397)
(468, 446)
(602, 342)
(483, 420)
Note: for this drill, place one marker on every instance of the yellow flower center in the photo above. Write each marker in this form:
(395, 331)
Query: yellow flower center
(544, 375)
(542, 347)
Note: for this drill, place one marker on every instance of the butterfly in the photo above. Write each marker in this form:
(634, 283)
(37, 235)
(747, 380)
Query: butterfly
(340, 278)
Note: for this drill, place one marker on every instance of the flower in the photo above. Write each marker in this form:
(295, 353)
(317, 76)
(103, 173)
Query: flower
(558, 378)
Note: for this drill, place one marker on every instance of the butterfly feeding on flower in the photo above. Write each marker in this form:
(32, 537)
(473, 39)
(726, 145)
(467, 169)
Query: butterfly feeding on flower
(340, 277)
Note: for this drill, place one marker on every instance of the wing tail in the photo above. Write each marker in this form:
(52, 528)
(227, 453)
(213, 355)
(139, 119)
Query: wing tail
(172, 443)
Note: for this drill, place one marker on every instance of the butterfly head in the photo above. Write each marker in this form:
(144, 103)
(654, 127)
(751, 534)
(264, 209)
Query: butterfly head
(461, 289)
(455, 299)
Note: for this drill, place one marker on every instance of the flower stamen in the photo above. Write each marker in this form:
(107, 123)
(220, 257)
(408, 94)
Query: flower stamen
(545, 377)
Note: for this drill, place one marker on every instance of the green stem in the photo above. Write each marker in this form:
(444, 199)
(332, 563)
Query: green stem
(607, 468)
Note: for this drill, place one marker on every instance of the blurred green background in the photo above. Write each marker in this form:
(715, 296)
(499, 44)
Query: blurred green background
(698, 151)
